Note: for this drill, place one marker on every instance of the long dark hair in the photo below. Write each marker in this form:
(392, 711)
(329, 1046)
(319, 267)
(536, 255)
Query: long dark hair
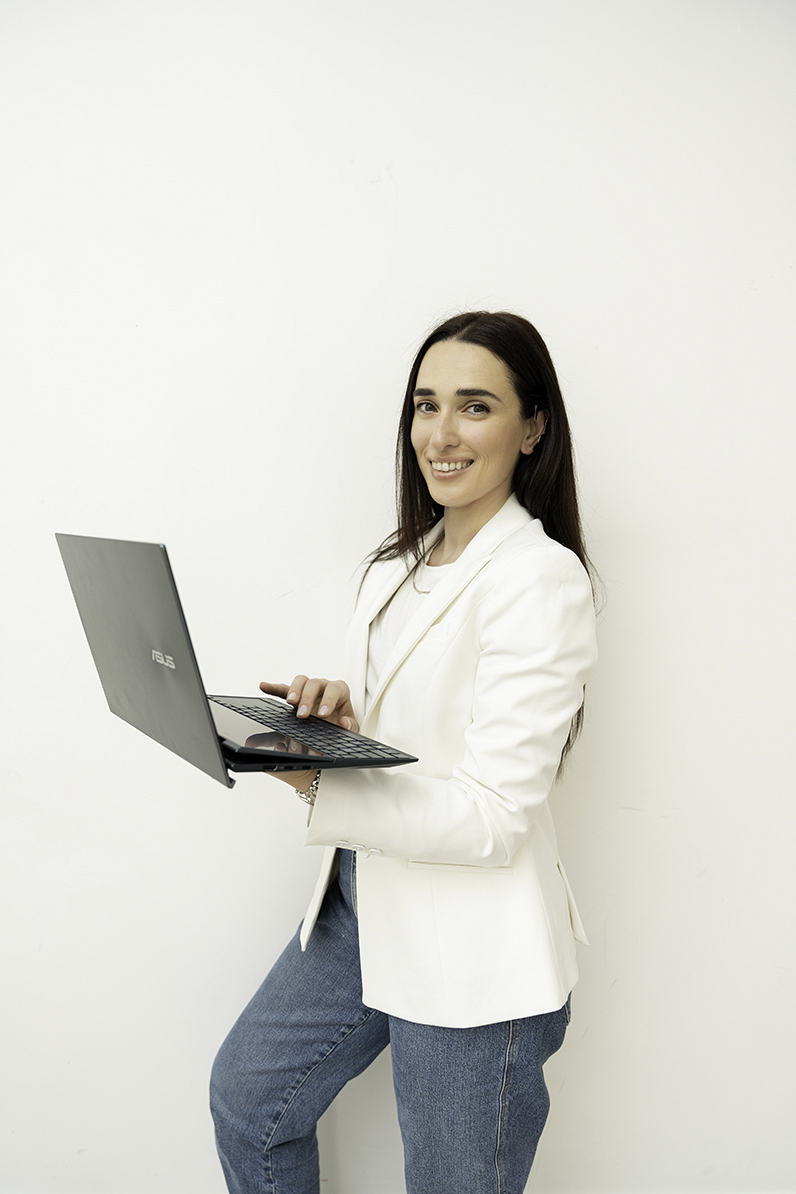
(544, 481)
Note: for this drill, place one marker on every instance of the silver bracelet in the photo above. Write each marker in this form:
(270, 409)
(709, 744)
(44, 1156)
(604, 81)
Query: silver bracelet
(312, 791)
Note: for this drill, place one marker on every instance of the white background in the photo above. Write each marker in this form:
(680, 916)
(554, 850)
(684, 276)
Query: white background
(226, 225)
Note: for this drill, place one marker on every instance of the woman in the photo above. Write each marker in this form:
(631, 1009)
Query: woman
(442, 922)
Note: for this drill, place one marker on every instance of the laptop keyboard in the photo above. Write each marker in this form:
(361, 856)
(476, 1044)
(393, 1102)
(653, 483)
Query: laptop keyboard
(338, 744)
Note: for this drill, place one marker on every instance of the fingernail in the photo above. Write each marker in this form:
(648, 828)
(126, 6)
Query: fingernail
(324, 710)
(302, 711)
(291, 696)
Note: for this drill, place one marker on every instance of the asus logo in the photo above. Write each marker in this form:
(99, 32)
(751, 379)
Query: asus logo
(166, 660)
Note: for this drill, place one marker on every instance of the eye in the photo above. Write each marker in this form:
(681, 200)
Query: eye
(478, 408)
(424, 407)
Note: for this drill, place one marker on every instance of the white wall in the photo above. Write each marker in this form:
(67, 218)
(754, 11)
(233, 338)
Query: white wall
(226, 225)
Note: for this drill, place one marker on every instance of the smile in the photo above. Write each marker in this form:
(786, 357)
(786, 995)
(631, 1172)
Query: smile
(449, 466)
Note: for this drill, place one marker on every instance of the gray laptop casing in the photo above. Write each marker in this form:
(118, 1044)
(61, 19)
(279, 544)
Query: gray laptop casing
(136, 630)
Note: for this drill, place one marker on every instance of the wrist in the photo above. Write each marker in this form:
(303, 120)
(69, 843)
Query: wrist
(302, 780)
(308, 793)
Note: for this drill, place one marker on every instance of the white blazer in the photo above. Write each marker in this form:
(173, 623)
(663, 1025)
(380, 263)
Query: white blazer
(465, 914)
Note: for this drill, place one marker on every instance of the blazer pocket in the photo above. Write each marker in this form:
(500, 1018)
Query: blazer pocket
(459, 867)
(578, 931)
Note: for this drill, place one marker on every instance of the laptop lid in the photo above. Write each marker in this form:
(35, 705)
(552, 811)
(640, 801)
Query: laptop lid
(136, 630)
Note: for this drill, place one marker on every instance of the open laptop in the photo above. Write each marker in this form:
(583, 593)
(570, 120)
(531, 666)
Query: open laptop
(133, 619)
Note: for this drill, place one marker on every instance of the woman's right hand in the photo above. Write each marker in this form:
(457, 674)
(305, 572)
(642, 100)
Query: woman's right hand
(329, 699)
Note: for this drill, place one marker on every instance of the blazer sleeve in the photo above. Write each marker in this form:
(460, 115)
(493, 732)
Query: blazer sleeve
(536, 636)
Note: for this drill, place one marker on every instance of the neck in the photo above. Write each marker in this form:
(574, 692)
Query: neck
(462, 526)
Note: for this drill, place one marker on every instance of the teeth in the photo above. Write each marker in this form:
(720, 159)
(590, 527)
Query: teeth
(450, 466)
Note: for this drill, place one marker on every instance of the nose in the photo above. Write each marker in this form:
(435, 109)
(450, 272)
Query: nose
(445, 433)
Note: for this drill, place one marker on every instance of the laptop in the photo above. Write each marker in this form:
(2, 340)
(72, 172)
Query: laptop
(133, 619)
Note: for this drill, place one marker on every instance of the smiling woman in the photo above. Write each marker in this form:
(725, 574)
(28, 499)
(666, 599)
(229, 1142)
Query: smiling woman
(442, 923)
(468, 432)
(544, 478)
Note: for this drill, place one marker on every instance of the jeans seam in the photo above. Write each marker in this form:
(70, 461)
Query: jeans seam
(354, 884)
(503, 1089)
(267, 1139)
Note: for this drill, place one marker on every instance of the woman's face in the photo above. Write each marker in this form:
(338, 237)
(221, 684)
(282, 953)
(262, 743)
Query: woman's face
(468, 431)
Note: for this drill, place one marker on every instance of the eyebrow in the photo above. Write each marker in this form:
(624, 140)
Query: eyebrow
(473, 392)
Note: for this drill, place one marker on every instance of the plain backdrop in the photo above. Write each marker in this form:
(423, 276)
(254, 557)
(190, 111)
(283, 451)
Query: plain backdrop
(225, 227)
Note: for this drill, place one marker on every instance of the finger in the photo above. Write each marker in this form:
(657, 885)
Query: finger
(279, 690)
(295, 688)
(308, 697)
(343, 713)
(333, 698)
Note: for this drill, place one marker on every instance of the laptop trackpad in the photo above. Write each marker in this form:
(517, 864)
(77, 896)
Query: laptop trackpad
(255, 736)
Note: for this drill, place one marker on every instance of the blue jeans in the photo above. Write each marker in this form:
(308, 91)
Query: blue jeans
(472, 1102)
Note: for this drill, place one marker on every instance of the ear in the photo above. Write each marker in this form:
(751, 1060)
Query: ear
(536, 429)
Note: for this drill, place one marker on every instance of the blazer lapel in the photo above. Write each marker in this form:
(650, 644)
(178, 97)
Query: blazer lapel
(378, 590)
(511, 517)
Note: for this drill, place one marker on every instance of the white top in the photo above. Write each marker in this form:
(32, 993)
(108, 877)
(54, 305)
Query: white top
(391, 619)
